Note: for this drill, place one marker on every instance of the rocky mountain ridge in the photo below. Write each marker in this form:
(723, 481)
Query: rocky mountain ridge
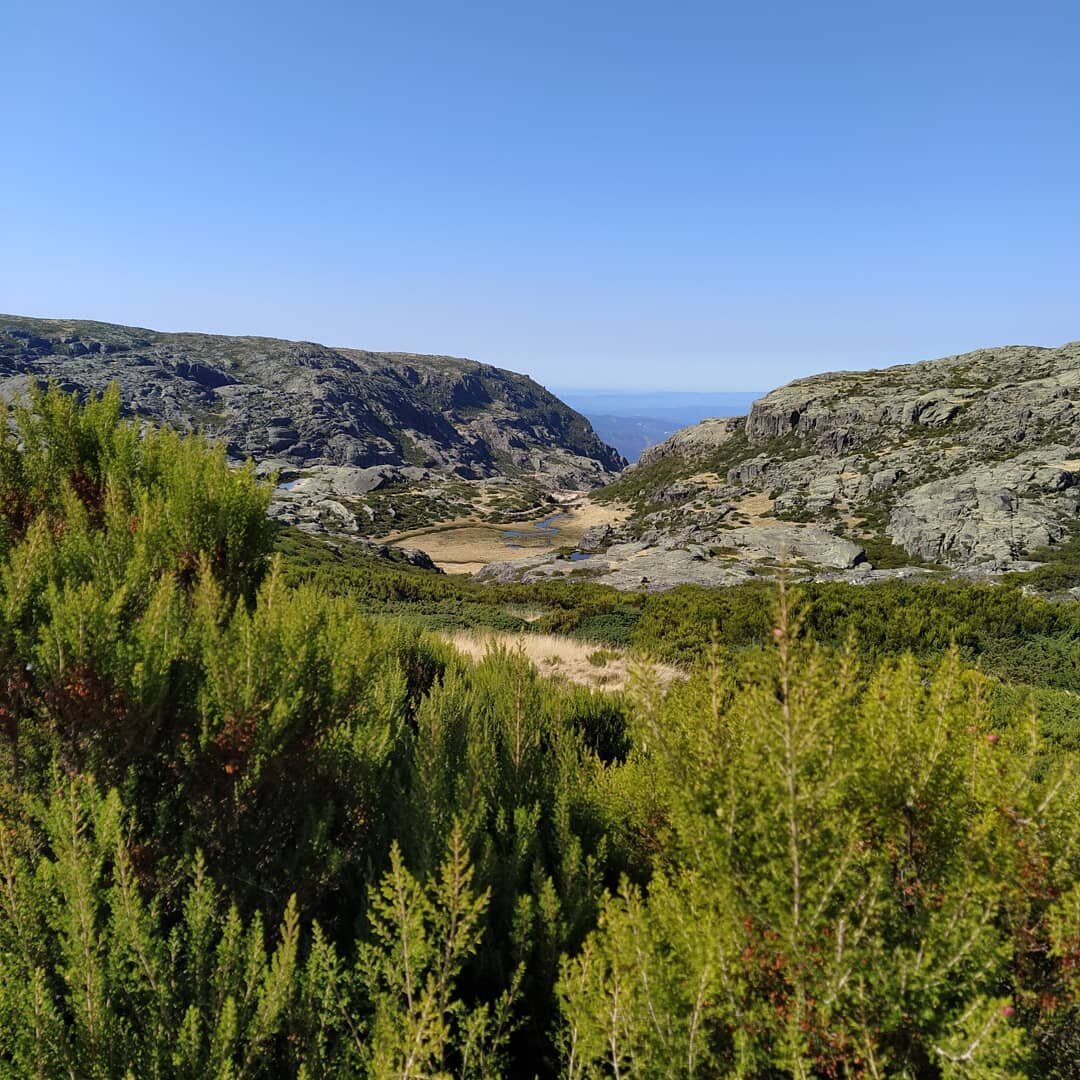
(964, 465)
(301, 405)
(969, 464)
(963, 461)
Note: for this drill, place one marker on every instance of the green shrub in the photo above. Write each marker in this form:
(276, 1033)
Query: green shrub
(602, 657)
(833, 855)
(863, 872)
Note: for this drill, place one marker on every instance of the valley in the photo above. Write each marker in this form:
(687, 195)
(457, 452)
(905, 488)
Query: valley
(964, 466)
(470, 545)
(238, 701)
(529, 549)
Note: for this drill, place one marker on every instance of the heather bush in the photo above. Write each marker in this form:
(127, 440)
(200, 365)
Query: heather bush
(255, 822)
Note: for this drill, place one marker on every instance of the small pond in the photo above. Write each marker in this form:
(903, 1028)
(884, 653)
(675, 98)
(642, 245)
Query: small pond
(544, 530)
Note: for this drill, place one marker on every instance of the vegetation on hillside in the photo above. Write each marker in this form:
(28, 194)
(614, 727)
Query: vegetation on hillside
(257, 820)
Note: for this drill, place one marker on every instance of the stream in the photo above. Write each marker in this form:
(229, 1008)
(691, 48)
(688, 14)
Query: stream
(544, 530)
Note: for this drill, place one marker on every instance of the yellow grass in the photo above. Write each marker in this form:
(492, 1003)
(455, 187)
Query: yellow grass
(463, 547)
(565, 658)
(753, 506)
(710, 480)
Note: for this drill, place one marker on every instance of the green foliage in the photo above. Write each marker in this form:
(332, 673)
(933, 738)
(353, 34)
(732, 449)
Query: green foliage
(99, 983)
(602, 657)
(283, 739)
(96, 984)
(255, 820)
(421, 939)
(1061, 566)
(73, 471)
(862, 877)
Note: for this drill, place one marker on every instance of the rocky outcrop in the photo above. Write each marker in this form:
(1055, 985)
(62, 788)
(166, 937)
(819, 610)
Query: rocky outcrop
(1006, 395)
(302, 405)
(631, 566)
(697, 439)
(783, 542)
(999, 513)
(595, 538)
(968, 462)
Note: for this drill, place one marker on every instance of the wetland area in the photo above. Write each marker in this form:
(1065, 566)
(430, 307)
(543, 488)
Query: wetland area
(466, 546)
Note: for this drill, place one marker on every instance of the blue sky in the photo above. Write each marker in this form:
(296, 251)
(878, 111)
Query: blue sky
(694, 196)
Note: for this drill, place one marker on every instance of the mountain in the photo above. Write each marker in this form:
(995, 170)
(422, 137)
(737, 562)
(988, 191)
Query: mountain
(631, 435)
(632, 421)
(299, 404)
(968, 464)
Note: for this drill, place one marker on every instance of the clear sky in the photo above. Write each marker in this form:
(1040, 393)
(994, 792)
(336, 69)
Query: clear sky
(708, 196)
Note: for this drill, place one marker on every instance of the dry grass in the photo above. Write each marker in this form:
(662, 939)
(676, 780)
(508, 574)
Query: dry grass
(585, 513)
(753, 506)
(463, 547)
(467, 547)
(566, 658)
(708, 480)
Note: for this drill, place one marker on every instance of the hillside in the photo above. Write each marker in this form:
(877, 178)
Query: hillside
(969, 464)
(301, 404)
(634, 420)
(263, 816)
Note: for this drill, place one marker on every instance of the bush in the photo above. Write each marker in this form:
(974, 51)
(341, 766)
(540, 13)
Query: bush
(830, 857)
(861, 871)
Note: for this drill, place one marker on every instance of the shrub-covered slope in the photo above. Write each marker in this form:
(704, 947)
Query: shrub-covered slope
(249, 831)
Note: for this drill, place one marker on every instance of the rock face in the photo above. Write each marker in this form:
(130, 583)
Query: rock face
(968, 460)
(303, 405)
(1003, 396)
(971, 462)
(697, 439)
(814, 545)
(1000, 512)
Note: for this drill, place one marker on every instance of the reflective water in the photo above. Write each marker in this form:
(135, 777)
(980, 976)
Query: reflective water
(544, 529)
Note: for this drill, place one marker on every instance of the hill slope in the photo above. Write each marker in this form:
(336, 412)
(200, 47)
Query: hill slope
(303, 404)
(970, 463)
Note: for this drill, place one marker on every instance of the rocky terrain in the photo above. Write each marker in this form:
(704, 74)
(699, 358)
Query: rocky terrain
(302, 404)
(354, 435)
(965, 465)
(968, 465)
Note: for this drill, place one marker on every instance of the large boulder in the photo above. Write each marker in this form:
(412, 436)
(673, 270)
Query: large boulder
(784, 541)
(995, 514)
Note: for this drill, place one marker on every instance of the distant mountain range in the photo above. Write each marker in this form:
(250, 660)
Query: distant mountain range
(632, 421)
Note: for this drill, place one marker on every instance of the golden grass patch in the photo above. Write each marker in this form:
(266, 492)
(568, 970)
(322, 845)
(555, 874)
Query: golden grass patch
(583, 662)
(463, 546)
(753, 507)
